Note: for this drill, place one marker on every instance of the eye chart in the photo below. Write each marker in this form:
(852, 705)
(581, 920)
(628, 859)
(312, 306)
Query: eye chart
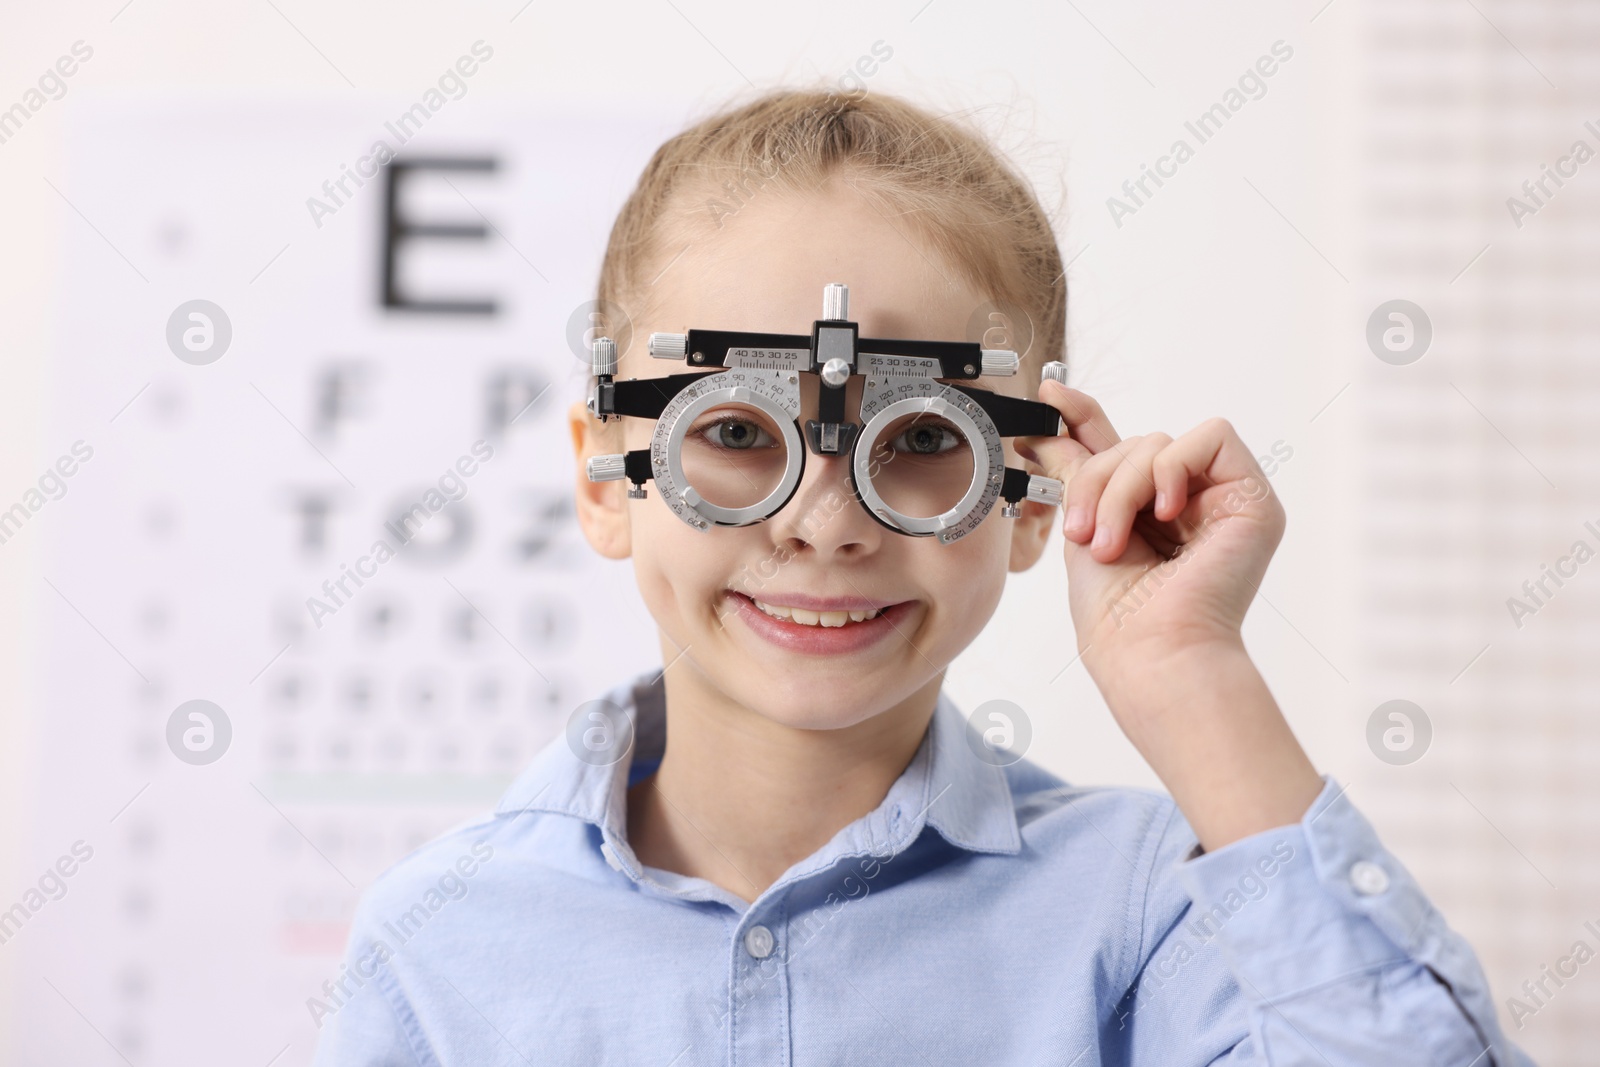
(312, 588)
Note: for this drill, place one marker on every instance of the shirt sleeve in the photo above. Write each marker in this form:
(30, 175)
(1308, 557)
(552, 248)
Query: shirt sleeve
(1306, 944)
(363, 1020)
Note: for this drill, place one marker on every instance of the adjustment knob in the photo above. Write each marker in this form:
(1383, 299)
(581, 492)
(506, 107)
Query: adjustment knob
(836, 302)
(603, 356)
(1044, 490)
(607, 468)
(669, 345)
(1055, 369)
(1001, 362)
(836, 371)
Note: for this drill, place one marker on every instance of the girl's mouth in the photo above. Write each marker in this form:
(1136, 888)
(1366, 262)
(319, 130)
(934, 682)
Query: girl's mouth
(797, 629)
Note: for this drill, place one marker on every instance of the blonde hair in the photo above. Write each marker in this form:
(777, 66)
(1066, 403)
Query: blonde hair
(939, 177)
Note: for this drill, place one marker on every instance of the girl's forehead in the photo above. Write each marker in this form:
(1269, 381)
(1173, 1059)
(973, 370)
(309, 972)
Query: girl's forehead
(768, 263)
(883, 302)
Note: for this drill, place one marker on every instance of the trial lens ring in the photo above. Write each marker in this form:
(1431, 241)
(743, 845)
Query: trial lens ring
(689, 405)
(948, 526)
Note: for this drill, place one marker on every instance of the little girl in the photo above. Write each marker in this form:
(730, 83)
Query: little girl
(787, 845)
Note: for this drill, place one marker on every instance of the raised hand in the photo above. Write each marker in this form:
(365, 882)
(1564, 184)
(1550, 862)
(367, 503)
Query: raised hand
(1167, 542)
(1167, 539)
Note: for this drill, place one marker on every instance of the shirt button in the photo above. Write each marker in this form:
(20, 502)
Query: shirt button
(1367, 878)
(758, 942)
(611, 856)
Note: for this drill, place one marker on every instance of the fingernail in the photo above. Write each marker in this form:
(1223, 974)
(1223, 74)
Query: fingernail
(1161, 501)
(1102, 537)
(1077, 519)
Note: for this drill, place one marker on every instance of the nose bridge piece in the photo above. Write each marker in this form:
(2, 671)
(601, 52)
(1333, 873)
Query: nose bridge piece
(835, 342)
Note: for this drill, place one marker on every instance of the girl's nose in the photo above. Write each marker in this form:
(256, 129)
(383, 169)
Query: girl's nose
(825, 513)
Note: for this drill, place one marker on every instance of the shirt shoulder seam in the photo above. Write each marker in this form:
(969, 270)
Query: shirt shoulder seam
(405, 1019)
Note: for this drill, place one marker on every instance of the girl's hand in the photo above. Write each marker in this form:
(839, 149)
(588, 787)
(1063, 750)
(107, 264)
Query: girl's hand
(1167, 541)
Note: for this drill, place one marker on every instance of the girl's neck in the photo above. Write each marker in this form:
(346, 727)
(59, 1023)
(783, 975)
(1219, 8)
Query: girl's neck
(739, 799)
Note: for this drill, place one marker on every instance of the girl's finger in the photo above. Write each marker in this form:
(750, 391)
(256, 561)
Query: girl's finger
(1085, 420)
(1211, 452)
(1058, 457)
(1130, 488)
(1083, 491)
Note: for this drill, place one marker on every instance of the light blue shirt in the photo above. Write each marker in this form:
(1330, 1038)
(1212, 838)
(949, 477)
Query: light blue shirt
(980, 915)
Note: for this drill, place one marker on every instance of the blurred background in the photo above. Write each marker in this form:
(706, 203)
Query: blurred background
(235, 352)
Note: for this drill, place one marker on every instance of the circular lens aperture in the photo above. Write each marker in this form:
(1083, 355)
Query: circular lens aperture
(921, 465)
(734, 456)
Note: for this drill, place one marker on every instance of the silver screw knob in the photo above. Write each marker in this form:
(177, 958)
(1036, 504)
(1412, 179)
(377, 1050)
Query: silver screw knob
(603, 356)
(669, 345)
(1057, 370)
(1001, 362)
(1044, 490)
(836, 371)
(607, 468)
(836, 302)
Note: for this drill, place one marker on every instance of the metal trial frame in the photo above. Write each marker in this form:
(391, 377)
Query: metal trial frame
(761, 370)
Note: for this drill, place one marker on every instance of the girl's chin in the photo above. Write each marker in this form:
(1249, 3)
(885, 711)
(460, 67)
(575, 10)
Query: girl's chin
(804, 699)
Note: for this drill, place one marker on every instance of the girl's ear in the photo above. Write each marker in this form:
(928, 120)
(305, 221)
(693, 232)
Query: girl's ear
(1030, 532)
(602, 506)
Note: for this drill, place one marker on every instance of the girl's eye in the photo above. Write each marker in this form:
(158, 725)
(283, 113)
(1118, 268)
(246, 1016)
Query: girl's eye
(926, 439)
(732, 432)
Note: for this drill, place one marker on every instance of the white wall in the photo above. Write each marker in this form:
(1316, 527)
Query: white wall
(1242, 289)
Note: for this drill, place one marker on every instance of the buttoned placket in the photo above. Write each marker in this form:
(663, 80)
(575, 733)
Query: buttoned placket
(755, 1025)
(758, 1020)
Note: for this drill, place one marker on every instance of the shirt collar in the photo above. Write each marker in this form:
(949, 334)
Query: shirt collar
(946, 785)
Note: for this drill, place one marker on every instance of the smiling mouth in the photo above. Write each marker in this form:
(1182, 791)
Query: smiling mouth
(821, 613)
(830, 629)
(807, 617)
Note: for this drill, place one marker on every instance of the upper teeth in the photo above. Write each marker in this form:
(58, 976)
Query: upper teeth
(815, 618)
